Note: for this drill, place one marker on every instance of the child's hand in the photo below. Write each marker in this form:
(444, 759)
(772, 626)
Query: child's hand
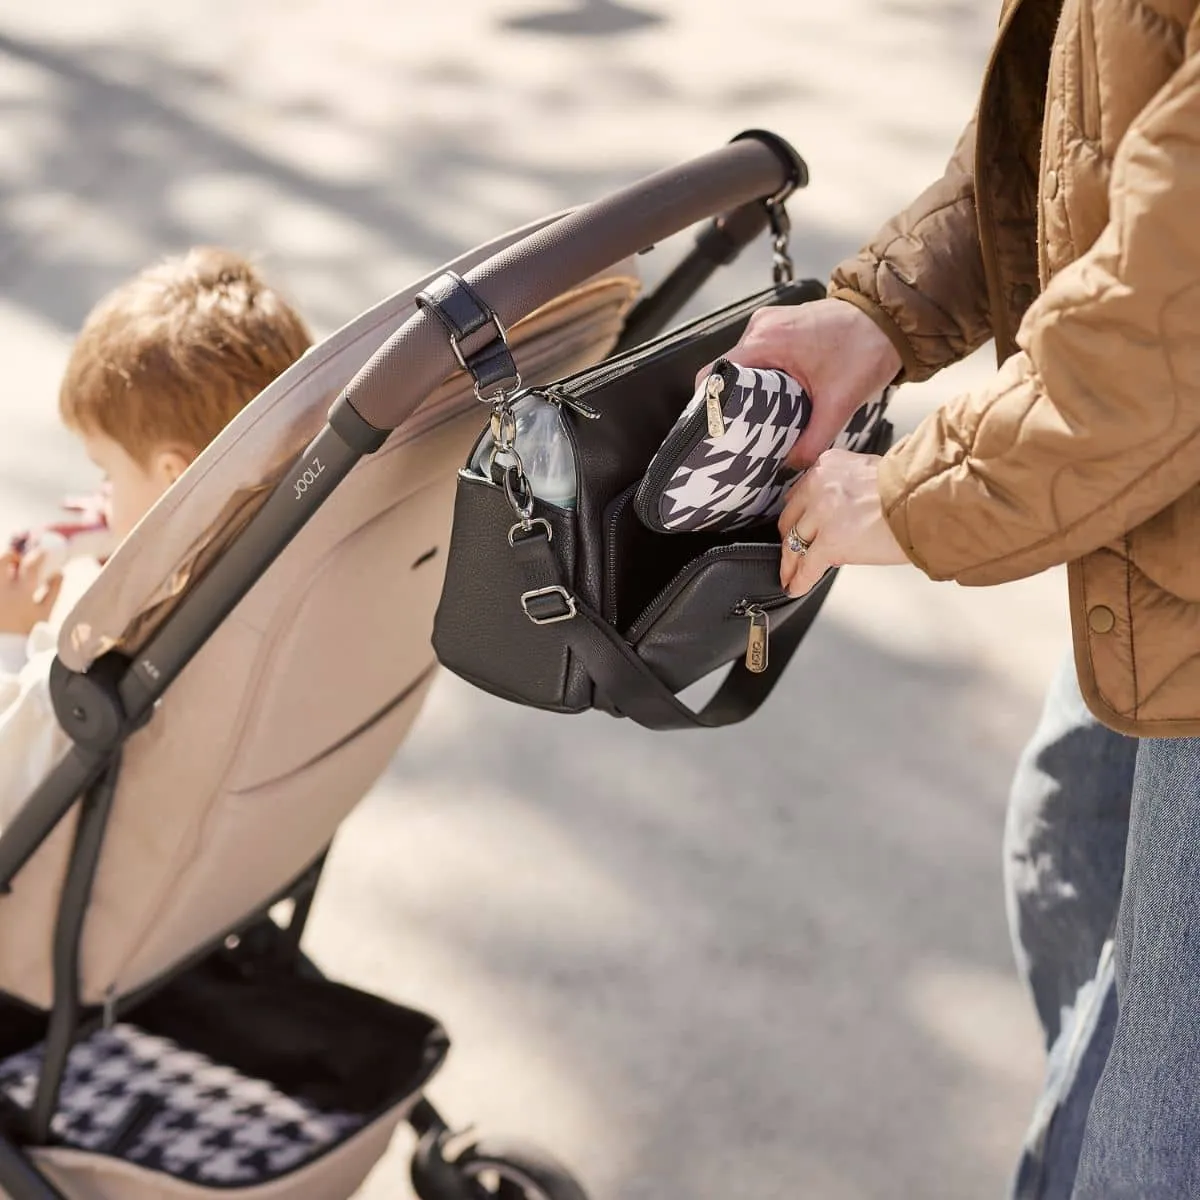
(24, 601)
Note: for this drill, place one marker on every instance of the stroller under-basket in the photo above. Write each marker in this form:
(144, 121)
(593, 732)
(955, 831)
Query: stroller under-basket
(161, 1033)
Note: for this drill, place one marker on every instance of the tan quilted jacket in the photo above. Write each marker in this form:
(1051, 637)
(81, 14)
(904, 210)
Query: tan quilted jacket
(1067, 225)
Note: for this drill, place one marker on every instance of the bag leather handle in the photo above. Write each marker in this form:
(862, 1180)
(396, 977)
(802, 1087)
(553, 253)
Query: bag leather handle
(417, 357)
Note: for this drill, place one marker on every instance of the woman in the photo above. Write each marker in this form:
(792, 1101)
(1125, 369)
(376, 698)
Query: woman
(1067, 227)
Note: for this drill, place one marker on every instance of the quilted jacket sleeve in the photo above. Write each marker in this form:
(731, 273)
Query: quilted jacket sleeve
(921, 277)
(1094, 425)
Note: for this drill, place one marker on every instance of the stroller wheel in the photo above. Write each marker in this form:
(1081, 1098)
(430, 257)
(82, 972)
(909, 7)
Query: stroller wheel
(516, 1171)
(491, 1170)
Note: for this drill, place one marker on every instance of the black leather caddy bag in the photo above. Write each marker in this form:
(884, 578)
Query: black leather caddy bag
(571, 609)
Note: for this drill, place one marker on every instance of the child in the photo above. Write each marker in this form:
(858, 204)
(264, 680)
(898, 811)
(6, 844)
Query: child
(161, 365)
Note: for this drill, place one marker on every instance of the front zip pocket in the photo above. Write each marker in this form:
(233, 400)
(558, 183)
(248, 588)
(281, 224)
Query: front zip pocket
(737, 553)
(702, 619)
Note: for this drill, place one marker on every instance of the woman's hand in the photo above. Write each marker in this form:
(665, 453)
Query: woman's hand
(834, 351)
(834, 517)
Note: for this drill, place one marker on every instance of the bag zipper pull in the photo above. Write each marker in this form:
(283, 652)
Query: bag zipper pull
(716, 418)
(577, 406)
(110, 1007)
(756, 644)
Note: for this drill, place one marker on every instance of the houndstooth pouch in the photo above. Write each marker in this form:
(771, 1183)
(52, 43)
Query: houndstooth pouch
(723, 465)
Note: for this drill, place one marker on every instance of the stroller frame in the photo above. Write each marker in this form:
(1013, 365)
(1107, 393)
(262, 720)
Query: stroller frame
(100, 709)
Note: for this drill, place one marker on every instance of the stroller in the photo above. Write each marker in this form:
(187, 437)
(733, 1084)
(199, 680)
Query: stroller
(161, 1032)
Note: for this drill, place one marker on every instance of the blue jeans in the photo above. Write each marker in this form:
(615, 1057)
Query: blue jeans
(1102, 872)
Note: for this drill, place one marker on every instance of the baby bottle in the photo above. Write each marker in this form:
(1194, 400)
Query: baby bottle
(545, 449)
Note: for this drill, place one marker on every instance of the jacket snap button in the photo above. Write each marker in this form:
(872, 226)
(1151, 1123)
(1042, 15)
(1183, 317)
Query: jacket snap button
(1101, 619)
(1051, 184)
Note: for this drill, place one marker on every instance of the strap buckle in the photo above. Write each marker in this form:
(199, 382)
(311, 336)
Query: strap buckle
(504, 388)
(542, 617)
(463, 314)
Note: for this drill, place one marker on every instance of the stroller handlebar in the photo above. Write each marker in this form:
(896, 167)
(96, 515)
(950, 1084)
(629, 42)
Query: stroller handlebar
(755, 166)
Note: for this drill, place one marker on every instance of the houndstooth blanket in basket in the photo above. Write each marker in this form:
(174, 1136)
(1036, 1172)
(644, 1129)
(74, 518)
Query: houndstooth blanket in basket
(144, 1099)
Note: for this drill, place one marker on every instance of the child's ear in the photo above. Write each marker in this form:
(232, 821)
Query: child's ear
(170, 463)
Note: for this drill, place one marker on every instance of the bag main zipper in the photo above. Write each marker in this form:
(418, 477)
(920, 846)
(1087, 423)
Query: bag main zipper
(591, 378)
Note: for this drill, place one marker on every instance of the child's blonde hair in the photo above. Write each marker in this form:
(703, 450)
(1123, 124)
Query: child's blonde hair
(167, 359)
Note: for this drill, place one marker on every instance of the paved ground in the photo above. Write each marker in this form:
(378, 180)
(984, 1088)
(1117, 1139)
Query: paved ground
(769, 962)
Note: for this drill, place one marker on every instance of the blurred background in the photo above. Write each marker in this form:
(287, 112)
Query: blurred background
(766, 962)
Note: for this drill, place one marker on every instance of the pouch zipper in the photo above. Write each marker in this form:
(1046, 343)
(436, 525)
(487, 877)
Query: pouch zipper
(713, 388)
(710, 422)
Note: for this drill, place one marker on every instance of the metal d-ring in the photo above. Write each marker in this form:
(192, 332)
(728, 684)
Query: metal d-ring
(526, 527)
(521, 504)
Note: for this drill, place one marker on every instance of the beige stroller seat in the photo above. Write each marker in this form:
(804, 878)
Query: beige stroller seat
(234, 680)
(277, 727)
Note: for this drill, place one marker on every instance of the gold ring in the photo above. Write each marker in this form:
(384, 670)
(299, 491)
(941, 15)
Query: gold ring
(796, 544)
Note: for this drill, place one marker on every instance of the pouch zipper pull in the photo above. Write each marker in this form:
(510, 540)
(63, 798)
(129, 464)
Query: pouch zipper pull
(756, 644)
(110, 1007)
(716, 417)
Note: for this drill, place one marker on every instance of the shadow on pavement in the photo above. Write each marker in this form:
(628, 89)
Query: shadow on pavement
(121, 136)
(695, 932)
(585, 18)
